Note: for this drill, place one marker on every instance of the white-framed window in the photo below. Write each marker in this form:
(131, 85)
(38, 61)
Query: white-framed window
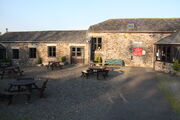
(51, 51)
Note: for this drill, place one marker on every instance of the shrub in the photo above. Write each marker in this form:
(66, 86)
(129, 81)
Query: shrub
(5, 60)
(98, 59)
(39, 60)
(176, 65)
(63, 59)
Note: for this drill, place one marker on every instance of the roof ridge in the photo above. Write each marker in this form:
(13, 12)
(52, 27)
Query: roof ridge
(142, 18)
(47, 31)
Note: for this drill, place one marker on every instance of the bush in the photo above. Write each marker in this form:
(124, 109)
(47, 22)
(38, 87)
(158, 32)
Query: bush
(39, 60)
(63, 59)
(176, 65)
(5, 60)
(98, 59)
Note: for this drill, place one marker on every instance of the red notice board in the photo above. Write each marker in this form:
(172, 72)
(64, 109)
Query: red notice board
(137, 51)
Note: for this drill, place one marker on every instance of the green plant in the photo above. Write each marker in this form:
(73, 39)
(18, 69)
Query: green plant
(39, 60)
(176, 65)
(5, 60)
(98, 59)
(63, 59)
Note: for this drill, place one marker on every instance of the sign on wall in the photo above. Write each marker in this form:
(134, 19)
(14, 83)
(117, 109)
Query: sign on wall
(137, 51)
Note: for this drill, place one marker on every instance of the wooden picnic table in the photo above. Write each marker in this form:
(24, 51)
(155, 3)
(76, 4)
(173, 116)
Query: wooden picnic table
(54, 64)
(18, 85)
(13, 70)
(97, 70)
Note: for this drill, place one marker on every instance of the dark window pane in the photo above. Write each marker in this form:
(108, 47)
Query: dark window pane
(73, 49)
(73, 54)
(99, 46)
(15, 53)
(52, 51)
(32, 52)
(78, 49)
(99, 40)
(78, 54)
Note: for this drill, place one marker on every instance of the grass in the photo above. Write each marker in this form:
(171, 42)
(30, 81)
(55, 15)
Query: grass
(170, 96)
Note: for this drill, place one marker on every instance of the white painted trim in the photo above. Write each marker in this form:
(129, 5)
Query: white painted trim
(51, 44)
(14, 47)
(32, 46)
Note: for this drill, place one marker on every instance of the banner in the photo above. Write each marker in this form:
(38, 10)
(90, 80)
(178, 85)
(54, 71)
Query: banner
(137, 51)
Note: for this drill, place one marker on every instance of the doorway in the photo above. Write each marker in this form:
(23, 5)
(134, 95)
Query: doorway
(77, 55)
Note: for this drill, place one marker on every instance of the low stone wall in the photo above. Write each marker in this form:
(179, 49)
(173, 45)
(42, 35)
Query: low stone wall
(163, 66)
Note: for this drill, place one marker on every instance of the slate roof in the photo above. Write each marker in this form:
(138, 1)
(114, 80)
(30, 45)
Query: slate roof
(78, 36)
(171, 39)
(140, 25)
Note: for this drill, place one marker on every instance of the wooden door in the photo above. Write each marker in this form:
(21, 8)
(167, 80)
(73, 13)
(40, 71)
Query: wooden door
(77, 55)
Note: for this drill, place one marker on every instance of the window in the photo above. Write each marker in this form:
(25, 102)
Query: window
(130, 26)
(15, 53)
(51, 51)
(32, 52)
(76, 51)
(96, 43)
(167, 53)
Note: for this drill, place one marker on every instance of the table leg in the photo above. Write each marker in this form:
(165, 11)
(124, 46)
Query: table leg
(35, 86)
(10, 87)
(98, 75)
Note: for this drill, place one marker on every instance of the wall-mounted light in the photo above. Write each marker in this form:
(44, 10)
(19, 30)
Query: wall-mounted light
(88, 40)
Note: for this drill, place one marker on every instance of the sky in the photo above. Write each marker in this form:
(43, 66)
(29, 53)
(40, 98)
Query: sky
(43, 15)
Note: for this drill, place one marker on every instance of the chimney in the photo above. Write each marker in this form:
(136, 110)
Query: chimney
(6, 29)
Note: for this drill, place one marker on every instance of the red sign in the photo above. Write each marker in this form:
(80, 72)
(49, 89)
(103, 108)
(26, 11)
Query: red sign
(137, 51)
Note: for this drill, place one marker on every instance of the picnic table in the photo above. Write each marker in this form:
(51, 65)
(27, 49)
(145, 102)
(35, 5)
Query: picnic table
(54, 64)
(10, 70)
(98, 71)
(22, 86)
(18, 85)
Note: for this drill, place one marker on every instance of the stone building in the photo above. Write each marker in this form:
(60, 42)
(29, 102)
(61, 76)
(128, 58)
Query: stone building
(131, 40)
(25, 47)
(167, 52)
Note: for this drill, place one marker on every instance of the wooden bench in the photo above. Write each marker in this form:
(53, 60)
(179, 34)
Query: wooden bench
(10, 95)
(86, 73)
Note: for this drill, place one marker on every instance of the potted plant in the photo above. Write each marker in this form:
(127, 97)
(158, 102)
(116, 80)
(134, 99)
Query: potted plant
(63, 60)
(98, 60)
(39, 61)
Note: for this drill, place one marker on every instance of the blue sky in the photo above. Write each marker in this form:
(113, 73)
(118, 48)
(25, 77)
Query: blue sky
(38, 15)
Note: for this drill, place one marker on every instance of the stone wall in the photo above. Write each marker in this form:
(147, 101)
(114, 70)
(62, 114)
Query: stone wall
(117, 46)
(163, 67)
(62, 49)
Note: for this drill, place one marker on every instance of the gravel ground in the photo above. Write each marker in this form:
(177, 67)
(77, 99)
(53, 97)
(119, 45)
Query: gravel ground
(126, 94)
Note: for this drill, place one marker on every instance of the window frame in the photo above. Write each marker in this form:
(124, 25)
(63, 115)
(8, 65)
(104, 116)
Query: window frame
(32, 54)
(15, 56)
(51, 51)
(96, 43)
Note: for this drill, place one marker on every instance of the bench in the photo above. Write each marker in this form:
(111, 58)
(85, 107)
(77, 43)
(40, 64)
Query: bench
(114, 62)
(9, 95)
